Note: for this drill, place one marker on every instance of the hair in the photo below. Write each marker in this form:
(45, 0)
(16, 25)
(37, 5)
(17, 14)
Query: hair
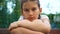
(23, 1)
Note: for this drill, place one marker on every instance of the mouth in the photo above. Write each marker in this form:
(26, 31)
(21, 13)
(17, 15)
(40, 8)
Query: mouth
(31, 18)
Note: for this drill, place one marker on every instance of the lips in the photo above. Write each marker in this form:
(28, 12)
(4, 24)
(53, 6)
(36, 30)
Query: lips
(31, 17)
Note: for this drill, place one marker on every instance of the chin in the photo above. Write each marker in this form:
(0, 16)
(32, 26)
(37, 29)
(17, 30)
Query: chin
(31, 19)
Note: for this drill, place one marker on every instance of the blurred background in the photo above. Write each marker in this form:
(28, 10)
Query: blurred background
(10, 11)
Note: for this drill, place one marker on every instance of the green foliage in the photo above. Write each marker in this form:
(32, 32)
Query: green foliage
(5, 18)
(1, 1)
(51, 16)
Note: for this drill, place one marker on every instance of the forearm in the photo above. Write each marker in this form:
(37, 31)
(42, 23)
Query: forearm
(37, 26)
(17, 30)
(21, 30)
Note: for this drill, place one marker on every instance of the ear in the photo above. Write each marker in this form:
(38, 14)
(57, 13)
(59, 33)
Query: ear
(40, 10)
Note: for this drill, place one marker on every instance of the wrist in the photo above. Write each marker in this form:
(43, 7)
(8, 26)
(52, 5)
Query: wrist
(19, 24)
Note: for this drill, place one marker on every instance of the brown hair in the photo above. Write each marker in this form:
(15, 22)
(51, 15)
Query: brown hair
(23, 1)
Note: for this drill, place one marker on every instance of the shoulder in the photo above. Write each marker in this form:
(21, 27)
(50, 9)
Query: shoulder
(20, 18)
(44, 17)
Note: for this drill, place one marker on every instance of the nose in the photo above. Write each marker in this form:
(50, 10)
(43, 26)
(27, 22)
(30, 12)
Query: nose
(31, 13)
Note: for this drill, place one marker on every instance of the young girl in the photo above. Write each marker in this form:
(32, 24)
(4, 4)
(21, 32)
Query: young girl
(31, 21)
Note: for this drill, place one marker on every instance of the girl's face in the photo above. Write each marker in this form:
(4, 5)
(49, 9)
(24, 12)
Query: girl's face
(31, 10)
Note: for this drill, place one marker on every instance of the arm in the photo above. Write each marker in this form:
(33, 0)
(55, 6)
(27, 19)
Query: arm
(21, 30)
(38, 25)
(16, 31)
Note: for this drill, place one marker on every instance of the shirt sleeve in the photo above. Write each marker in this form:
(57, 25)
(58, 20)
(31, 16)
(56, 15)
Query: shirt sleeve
(20, 18)
(44, 17)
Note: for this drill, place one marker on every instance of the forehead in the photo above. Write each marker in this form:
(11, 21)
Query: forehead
(30, 4)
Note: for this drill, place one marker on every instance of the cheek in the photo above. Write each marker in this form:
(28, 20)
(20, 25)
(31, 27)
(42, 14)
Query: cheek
(36, 15)
(25, 14)
(37, 12)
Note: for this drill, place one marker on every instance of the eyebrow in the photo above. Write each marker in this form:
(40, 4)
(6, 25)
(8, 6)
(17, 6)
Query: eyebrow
(33, 0)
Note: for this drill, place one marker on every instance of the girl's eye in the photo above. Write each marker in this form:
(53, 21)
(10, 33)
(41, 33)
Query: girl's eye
(26, 10)
(32, 0)
(33, 9)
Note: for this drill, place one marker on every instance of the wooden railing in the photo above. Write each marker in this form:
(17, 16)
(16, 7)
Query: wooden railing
(5, 31)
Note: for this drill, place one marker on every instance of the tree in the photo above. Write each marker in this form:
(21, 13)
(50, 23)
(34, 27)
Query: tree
(5, 17)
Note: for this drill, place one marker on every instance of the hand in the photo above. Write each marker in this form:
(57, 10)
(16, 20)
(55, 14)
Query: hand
(13, 25)
(19, 24)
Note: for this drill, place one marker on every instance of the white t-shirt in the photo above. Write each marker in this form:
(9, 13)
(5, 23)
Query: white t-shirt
(41, 17)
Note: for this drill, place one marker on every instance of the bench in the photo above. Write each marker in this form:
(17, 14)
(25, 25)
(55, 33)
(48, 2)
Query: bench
(5, 31)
